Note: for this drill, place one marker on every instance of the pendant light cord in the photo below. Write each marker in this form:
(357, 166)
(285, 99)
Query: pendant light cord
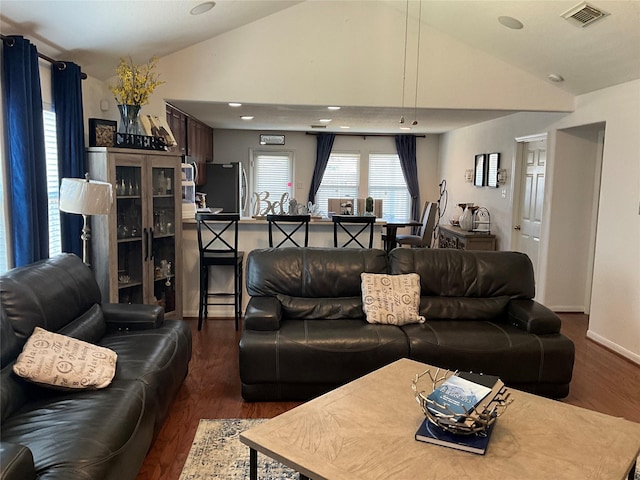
(404, 66)
(415, 102)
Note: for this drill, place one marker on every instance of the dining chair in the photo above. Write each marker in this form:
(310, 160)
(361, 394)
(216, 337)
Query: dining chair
(354, 226)
(425, 235)
(218, 246)
(295, 223)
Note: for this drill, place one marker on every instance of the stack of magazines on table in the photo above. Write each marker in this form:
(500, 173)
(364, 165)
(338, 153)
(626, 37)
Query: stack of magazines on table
(461, 410)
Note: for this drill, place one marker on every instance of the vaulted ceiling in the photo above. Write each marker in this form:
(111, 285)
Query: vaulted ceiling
(95, 33)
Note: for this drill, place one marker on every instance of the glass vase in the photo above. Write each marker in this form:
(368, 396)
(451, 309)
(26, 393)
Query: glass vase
(129, 119)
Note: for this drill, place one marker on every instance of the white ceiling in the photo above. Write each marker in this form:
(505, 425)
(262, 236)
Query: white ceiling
(93, 33)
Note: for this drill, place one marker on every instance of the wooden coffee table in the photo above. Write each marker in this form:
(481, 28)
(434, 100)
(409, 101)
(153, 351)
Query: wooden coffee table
(365, 430)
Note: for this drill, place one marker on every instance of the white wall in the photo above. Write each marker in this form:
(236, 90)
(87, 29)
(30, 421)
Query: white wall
(574, 198)
(615, 301)
(93, 92)
(457, 151)
(312, 54)
(615, 304)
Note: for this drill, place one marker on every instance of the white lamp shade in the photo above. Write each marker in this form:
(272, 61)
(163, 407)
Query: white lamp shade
(78, 195)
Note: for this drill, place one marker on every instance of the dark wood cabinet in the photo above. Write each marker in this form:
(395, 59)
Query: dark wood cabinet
(195, 139)
(193, 134)
(207, 144)
(178, 124)
(455, 237)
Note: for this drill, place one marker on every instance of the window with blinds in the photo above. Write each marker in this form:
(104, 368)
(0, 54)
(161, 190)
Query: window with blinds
(273, 173)
(386, 182)
(51, 153)
(4, 238)
(340, 180)
(53, 183)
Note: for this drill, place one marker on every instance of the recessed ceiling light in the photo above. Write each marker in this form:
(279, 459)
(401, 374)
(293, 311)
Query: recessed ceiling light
(235, 104)
(345, 127)
(324, 120)
(247, 117)
(333, 108)
(510, 22)
(554, 77)
(202, 8)
(405, 128)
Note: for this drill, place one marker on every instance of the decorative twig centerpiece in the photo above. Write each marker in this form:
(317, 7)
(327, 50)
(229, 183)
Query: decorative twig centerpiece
(474, 421)
(134, 86)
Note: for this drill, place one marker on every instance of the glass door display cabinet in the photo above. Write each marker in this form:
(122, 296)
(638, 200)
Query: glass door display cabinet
(136, 249)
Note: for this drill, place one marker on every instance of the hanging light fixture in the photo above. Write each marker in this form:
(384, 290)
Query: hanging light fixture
(415, 101)
(404, 65)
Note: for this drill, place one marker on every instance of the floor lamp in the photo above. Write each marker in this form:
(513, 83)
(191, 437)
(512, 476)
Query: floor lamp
(86, 197)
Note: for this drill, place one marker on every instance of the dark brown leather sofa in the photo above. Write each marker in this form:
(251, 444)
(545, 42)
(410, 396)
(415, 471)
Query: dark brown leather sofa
(305, 332)
(49, 433)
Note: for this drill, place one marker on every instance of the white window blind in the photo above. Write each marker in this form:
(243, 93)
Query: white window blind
(273, 173)
(4, 238)
(53, 183)
(340, 179)
(386, 182)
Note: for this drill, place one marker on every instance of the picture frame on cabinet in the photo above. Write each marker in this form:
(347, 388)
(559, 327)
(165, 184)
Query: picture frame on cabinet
(480, 167)
(158, 127)
(102, 132)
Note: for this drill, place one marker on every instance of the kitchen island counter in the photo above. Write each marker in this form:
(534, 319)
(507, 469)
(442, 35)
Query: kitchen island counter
(253, 234)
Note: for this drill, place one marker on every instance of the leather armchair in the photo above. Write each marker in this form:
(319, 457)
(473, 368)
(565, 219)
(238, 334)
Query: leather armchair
(98, 434)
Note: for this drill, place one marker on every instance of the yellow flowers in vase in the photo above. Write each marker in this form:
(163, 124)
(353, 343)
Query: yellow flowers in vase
(135, 83)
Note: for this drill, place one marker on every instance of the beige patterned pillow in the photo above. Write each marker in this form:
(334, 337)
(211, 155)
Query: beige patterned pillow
(52, 359)
(392, 299)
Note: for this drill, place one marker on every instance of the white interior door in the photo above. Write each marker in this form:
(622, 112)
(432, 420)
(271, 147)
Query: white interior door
(529, 218)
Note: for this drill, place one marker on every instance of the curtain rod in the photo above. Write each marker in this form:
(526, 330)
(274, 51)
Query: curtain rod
(344, 134)
(58, 63)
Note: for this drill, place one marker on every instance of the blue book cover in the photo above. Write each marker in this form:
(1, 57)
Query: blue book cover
(456, 395)
(430, 433)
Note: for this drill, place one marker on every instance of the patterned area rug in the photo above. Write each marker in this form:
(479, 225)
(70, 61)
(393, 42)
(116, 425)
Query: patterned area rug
(217, 453)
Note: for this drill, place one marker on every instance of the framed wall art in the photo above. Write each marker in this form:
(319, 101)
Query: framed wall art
(271, 139)
(493, 165)
(102, 132)
(479, 166)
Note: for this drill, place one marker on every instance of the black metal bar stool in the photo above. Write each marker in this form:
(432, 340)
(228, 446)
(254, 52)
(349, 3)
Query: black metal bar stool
(217, 249)
(276, 222)
(359, 225)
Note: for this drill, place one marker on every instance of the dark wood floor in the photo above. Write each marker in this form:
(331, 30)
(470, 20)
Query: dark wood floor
(602, 381)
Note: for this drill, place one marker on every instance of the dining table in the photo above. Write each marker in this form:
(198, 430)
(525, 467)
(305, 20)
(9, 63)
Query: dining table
(392, 225)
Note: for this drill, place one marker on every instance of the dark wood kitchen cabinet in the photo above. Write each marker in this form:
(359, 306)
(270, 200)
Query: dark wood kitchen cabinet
(178, 124)
(194, 139)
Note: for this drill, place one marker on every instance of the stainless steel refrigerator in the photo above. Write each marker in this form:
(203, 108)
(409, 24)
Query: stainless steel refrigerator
(226, 187)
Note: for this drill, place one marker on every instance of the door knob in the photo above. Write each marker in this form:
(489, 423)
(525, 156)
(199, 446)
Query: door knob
(517, 227)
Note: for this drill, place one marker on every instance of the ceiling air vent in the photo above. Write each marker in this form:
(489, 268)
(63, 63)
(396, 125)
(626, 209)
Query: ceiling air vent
(584, 14)
(318, 126)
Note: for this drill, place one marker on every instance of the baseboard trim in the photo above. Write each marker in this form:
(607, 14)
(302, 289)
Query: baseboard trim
(614, 347)
(567, 308)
